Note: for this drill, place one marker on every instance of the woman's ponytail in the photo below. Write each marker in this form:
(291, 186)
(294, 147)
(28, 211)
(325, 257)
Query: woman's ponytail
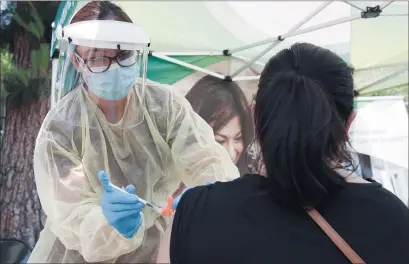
(304, 99)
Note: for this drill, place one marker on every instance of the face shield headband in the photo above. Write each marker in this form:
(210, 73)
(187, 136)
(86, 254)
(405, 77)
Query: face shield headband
(109, 60)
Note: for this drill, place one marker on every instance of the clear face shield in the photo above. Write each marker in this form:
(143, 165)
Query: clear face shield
(105, 58)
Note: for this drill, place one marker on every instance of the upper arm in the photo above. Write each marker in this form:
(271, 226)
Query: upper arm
(183, 226)
(70, 200)
(163, 255)
(173, 244)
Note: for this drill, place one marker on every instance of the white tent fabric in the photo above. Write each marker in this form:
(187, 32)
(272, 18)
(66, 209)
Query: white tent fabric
(379, 48)
(208, 28)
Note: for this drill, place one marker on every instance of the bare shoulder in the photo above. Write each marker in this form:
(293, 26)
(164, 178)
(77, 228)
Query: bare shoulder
(357, 180)
(164, 247)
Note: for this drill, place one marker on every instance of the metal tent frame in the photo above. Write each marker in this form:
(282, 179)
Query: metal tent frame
(368, 13)
(273, 42)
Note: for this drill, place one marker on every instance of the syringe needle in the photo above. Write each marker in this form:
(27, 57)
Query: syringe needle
(162, 211)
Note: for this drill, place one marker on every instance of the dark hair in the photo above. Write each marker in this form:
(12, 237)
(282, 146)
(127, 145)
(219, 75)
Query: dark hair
(304, 99)
(219, 101)
(100, 10)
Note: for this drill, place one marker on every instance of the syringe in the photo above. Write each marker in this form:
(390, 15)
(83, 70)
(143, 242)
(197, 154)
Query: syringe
(157, 209)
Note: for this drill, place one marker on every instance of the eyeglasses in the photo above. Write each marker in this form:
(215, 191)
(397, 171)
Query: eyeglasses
(102, 63)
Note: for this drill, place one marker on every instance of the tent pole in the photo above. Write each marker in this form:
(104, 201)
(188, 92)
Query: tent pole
(398, 86)
(246, 59)
(54, 66)
(198, 53)
(323, 25)
(269, 40)
(253, 45)
(246, 78)
(261, 54)
(403, 64)
(381, 80)
(386, 5)
(386, 15)
(187, 65)
(375, 98)
(295, 33)
(353, 5)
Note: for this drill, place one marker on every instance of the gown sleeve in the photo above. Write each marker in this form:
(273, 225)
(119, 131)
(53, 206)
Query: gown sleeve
(69, 201)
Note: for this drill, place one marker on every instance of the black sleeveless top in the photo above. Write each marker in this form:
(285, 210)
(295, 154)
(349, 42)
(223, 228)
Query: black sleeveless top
(234, 222)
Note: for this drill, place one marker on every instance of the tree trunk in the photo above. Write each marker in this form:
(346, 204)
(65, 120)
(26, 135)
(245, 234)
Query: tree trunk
(21, 52)
(21, 216)
(22, 42)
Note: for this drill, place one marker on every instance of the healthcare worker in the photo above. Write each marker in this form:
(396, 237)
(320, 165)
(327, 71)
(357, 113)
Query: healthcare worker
(141, 134)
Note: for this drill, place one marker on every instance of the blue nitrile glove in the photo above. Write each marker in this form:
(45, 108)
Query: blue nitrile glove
(177, 198)
(122, 209)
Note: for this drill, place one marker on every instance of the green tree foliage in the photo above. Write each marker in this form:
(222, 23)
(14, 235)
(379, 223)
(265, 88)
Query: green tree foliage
(25, 76)
(9, 27)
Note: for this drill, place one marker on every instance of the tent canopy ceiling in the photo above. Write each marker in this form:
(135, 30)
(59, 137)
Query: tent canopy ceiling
(215, 26)
(202, 28)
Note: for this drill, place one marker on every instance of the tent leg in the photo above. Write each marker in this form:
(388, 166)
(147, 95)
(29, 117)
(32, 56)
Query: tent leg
(54, 66)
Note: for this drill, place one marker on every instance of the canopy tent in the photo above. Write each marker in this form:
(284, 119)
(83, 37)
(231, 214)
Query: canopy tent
(372, 36)
(232, 41)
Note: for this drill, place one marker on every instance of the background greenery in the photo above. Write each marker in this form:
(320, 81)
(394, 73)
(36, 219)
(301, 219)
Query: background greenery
(25, 30)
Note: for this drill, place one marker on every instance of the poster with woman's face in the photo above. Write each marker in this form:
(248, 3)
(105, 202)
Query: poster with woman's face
(226, 107)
